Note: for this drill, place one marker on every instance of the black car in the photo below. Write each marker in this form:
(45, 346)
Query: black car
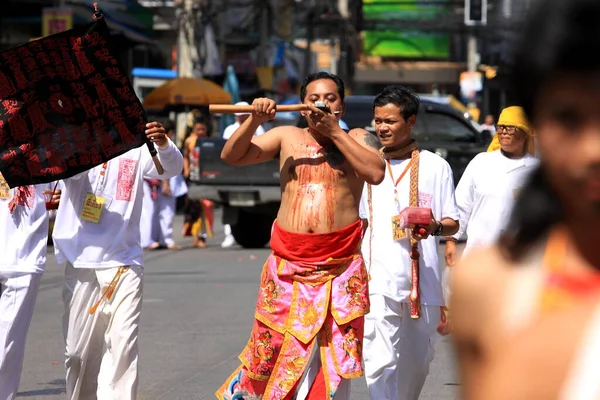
(440, 129)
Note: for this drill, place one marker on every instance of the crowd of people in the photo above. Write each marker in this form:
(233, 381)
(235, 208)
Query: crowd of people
(352, 286)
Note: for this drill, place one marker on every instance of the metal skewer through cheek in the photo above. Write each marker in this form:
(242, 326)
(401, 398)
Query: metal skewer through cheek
(325, 108)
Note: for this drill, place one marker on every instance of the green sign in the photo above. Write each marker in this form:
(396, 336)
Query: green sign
(391, 40)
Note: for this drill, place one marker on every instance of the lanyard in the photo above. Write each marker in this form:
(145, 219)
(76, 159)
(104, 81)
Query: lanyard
(101, 180)
(389, 168)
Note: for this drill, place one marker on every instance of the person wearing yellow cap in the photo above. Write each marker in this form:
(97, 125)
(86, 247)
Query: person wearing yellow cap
(490, 183)
(514, 117)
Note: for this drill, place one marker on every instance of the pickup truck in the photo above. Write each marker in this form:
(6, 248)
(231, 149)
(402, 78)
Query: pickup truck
(250, 195)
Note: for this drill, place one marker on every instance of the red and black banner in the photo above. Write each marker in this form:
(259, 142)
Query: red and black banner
(66, 105)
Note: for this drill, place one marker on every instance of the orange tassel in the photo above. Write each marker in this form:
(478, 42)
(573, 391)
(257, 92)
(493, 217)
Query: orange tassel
(108, 291)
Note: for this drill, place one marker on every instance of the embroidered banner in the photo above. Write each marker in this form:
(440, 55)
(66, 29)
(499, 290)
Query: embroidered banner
(66, 105)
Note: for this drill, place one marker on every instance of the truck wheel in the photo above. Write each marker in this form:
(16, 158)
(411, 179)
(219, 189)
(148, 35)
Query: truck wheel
(252, 231)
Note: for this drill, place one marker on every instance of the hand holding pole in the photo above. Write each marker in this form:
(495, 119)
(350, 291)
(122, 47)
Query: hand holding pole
(232, 109)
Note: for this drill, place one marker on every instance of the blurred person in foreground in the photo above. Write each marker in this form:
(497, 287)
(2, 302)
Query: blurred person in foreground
(491, 182)
(513, 303)
(306, 341)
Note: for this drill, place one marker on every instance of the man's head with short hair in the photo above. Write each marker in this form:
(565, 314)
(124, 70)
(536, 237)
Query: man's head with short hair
(324, 87)
(339, 83)
(200, 126)
(401, 96)
(395, 109)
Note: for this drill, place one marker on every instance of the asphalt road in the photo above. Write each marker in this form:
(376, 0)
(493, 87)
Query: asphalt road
(197, 313)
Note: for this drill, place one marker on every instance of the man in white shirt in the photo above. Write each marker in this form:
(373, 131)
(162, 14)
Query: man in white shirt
(23, 243)
(490, 184)
(239, 119)
(405, 293)
(97, 236)
(158, 212)
(159, 206)
(488, 124)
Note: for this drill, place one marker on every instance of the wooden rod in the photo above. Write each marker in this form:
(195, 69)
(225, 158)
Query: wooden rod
(232, 109)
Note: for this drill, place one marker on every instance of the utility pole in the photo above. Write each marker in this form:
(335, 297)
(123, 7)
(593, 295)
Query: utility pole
(263, 36)
(184, 56)
(309, 38)
(475, 16)
(472, 59)
(344, 9)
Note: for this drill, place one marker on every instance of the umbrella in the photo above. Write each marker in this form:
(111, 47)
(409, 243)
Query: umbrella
(186, 92)
(231, 86)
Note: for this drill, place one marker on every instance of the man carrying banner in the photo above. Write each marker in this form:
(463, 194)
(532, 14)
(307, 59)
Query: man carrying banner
(306, 341)
(160, 201)
(97, 236)
(405, 307)
(23, 243)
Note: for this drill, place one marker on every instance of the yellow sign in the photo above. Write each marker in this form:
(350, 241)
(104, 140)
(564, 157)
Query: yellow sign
(92, 208)
(56, 20)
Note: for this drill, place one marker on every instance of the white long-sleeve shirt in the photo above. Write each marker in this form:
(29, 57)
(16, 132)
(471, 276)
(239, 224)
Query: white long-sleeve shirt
(115, 239)
(24, 232)
(486, 193)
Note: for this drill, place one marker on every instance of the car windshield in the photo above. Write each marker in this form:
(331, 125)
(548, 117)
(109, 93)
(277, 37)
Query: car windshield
(358, 114)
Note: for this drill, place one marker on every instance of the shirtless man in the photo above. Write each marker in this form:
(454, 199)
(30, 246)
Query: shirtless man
(313, 292)
(509, 300)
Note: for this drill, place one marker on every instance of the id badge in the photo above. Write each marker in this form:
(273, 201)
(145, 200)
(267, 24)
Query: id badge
(93, 207)
(398, 232)
(4, 189)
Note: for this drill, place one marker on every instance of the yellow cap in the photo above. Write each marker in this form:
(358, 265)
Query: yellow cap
(514, 116)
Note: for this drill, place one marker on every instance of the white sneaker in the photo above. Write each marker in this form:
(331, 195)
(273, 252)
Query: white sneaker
(228, 242)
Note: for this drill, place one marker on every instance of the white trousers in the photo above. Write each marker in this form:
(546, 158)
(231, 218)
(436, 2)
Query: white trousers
(398, 349)
(156, 222)
(101, 348)
(166, 214)
(148, 228)
(343, 391)
(17, 301)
